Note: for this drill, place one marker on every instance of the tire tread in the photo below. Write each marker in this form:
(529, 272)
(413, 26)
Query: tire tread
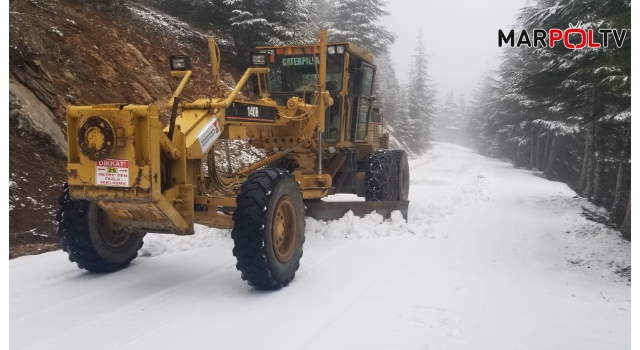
(73, 230)
(249, 224)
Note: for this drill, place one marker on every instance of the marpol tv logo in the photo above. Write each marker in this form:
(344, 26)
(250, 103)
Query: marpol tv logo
(573, 38)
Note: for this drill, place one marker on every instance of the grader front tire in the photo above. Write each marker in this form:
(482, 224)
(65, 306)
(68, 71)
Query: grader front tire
(381, 177)
(268, 230)
(90, 238)
(402, 171)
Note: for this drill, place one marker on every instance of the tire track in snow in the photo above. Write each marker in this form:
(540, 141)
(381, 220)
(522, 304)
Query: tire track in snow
(366, 319)
(401, 301)
(446, 185)
(129, 312)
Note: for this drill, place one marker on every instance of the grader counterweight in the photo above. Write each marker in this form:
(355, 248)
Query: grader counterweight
(129, 174)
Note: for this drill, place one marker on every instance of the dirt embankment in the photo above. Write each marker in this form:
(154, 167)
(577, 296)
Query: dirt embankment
(72, 52)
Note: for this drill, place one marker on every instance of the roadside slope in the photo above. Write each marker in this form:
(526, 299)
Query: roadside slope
(71, 52)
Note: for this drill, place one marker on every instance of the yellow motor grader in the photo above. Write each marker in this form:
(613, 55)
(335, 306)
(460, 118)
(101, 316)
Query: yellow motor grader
(129, 173)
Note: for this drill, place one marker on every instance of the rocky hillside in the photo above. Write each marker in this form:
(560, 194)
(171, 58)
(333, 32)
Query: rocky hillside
(70, 52)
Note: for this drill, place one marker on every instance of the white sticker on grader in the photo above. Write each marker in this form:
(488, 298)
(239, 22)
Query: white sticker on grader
(112, 172)
(209, 134)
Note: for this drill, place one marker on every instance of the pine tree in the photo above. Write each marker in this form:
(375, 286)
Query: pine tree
(356, 21)
(275, 22)
(421, 98)
(462, 105)
(564, 111)
(406, 128)
(448, 124)
(296, 24)
(240, 25)
(480, 108)
(387, 87)
(323, 14)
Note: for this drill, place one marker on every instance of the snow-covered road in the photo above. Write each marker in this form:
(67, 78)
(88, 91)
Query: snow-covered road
(492, 258)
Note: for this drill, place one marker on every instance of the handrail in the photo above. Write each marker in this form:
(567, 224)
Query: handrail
(186, 75)
(214, 54)
(209, 104)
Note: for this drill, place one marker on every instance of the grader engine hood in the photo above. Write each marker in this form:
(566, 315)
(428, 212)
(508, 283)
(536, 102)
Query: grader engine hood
(115, 160)
(109, 145)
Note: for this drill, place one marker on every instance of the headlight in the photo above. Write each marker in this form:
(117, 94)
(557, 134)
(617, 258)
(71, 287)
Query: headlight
(258, 59)
(340, 49)
(331, 50)
(180, 62)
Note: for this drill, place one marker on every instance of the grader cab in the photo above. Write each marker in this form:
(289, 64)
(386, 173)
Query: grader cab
(129, 173)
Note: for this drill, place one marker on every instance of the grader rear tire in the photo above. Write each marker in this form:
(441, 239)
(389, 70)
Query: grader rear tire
(268, 231)
(381, 177)
(91, 239)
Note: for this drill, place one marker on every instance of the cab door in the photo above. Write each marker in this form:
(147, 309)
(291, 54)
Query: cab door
(362, 101)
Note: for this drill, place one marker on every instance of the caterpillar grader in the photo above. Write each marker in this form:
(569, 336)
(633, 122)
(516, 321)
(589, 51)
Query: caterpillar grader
(314, 116)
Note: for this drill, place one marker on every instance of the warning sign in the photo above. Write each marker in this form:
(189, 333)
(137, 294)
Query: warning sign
(209, 134)
(112, 172)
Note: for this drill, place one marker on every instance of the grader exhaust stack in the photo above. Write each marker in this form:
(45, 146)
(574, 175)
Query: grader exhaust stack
(129, 174)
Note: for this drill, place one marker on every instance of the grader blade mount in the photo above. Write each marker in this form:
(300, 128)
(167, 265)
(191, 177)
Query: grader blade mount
(327, 211)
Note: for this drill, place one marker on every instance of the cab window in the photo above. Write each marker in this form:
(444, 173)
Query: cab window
(361, 80)
(333, 120)
(294, 73)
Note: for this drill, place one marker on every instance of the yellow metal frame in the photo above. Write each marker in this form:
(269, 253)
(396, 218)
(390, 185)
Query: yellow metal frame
(142, 205)
(171, 199)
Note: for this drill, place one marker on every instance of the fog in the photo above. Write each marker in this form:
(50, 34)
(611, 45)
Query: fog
(460, 37)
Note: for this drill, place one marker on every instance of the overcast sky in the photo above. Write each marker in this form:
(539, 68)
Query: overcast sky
(461, 37)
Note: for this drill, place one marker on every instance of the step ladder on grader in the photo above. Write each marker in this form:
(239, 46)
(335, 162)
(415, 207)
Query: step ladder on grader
(129, 174)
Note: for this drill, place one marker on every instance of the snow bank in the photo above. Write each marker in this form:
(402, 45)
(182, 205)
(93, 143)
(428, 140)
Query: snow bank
(348, 227)
(436, 198)
(354, 227)
(588, 244)
(157, 244)
(445, 195)
(594, 245)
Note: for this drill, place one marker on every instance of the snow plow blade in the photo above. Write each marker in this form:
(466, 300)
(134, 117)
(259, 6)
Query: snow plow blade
(335, 210)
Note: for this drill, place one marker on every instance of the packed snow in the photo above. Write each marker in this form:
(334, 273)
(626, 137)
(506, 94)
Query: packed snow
(169, 25)
(164, 23)
(492, 257)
